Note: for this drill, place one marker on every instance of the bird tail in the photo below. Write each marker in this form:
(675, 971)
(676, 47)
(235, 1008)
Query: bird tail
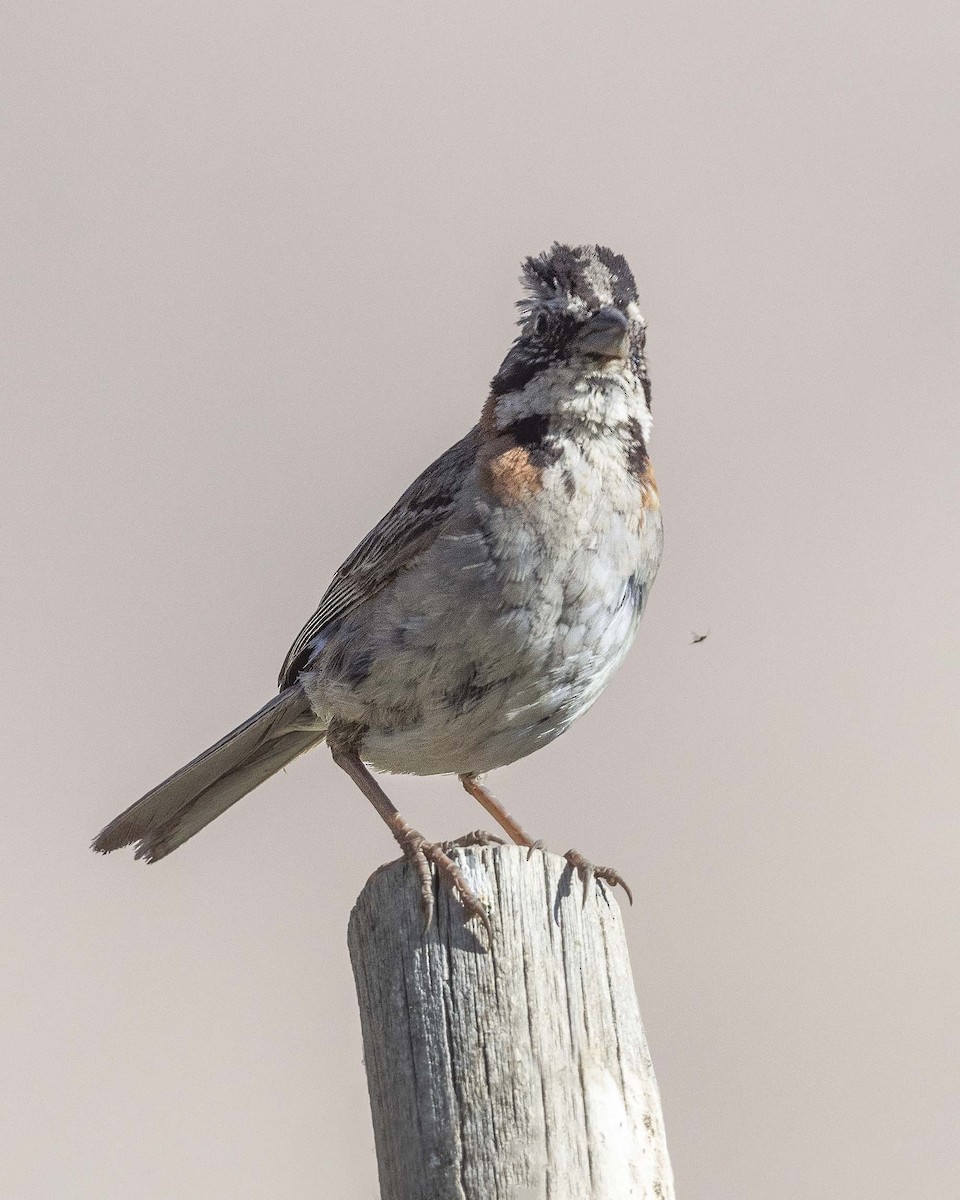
(198, 793)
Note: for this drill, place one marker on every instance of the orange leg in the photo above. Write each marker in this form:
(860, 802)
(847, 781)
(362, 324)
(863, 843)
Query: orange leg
(586, 870)
(499, 814)
(416, 848)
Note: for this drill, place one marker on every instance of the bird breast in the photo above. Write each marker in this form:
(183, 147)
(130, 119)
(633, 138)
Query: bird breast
(509, 625)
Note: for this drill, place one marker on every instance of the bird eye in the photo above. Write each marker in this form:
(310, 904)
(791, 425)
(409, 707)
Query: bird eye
(541, 323)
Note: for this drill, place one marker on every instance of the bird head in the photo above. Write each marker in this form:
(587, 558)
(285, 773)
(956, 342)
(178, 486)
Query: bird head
(581, 338)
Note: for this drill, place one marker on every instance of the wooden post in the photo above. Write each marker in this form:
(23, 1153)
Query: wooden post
(520, 1073)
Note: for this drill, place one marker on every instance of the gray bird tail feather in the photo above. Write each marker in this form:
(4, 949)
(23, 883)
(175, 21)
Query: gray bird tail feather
(198, 793)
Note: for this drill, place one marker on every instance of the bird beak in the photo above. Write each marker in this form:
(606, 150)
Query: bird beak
(605, 334)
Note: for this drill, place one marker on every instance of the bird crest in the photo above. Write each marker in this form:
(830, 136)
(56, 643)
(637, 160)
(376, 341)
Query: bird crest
(594, 276)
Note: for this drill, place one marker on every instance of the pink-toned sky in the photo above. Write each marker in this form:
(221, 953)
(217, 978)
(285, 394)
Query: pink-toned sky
(260, 262)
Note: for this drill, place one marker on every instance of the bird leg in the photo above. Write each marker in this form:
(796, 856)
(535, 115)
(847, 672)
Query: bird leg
(415, 847)
(586, 870)
(499, 814)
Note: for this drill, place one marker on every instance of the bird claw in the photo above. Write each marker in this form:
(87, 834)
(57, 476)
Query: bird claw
(588, 872)
(421, 854)
(479, 837)
(537, 845)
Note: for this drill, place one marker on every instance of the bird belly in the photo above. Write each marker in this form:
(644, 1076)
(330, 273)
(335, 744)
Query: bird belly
(474, 720)
(494, 644)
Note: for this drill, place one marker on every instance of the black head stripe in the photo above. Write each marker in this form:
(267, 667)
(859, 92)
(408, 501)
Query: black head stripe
(593, 274)
(518, 368)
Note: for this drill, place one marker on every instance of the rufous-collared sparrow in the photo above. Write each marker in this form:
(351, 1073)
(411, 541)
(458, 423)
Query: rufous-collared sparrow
(493, 602)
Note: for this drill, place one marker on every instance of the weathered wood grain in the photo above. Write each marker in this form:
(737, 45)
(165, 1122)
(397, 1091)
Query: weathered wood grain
(521, 1073)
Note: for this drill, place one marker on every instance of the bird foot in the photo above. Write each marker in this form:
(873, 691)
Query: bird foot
(479, 837)
(421, 854)
(588, 872)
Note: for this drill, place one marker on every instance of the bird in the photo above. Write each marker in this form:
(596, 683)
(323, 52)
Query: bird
(697, 638)
(489, 607)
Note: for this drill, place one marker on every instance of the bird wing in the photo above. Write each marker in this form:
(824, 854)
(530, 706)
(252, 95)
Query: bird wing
(394, 542)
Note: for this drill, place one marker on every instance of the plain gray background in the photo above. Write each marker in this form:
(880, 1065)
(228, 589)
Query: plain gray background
(259, 266)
